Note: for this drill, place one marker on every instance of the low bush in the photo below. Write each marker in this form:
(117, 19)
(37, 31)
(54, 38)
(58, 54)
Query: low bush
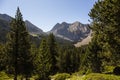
(60, 76)
(108, 69)
(98, 76)
(4, 76)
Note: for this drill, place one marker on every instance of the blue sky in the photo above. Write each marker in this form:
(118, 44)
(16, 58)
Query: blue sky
(46, 13)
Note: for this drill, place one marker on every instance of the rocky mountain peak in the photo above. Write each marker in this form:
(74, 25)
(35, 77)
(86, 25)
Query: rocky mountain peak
(64, 23)
(71, 31)
(78, 27)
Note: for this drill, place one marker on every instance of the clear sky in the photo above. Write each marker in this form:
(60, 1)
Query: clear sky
(46, 13)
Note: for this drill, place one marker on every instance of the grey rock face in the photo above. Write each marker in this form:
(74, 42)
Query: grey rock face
(71, 31)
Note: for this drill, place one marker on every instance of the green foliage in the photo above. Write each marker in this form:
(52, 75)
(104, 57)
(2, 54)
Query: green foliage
(34, 54)
(43, 61)
(3, 30)
(84, 60)
(4, 76)
(105, 26)
(94, 52)
(108, 69)
(97, 76)
(73, 77)
(68, 60)
(52, 50)
(60, 76)
(18, 48)
(3, 57)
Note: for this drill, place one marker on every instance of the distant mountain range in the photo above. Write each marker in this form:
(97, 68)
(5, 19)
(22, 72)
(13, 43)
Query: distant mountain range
(74, 32)
(71, 31)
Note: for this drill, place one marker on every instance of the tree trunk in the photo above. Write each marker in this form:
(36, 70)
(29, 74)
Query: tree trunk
(15, 78)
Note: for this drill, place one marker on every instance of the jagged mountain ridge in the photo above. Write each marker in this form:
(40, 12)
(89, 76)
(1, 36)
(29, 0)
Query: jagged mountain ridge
(71, 31)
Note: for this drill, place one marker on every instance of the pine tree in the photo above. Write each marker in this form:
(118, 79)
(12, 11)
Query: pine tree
(43, 61)
(34, 54)
(3, 58)
(52, 49)
(94, 55)
(68, 60)
(106, 26)
(18, 46)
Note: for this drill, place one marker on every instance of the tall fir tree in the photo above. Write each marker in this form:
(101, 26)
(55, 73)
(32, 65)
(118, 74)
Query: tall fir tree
(3, 57)
(106, 28)
(94, 56)
(68, 60)
(18, 46)
(52, 49)
(43, 61)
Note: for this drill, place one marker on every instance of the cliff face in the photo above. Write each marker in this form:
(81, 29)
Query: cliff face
(71, 31)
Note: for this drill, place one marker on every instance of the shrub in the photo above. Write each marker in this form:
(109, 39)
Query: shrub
(108, 69)
(116, 70)
(61, 76)
(4, 76)
(98, 76)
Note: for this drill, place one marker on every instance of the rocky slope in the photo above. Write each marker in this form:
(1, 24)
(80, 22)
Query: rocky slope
(85, 41)
(71, 31)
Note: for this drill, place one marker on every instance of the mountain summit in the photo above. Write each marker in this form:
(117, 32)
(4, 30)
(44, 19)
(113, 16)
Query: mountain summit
(71, 31)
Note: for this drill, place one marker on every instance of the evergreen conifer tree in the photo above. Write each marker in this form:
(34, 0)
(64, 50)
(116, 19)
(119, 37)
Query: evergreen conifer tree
(94, 55)
(52, 49)
(18, 46)
(43, 61)
(3, 58)
(106, 28)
